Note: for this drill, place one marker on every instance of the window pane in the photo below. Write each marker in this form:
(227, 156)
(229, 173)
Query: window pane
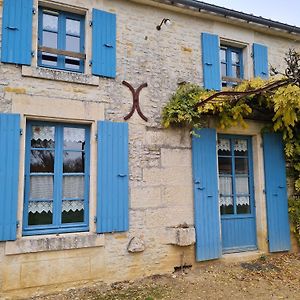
(241, 166)
(50, 22)
(72, 211)
(42, 161)
(73, 27)
(240, 147)
(72, 63)
(243, 205)
(73, 187)
(223, 70)
(236, 73)
(41, 187)
(225, 165)
(49, 59)
(73, 162)
(223, 55)
(235, 58)
(225, 185)
(224, 147)
(72, 43)
(226, 205)
(242, 185)
(40, 212)
(42, 137)
(50, 39)
(74, 138)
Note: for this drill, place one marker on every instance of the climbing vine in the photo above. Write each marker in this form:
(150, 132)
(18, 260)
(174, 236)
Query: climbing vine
(275, 101)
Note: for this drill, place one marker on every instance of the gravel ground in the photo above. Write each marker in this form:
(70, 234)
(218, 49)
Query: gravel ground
(269, 277)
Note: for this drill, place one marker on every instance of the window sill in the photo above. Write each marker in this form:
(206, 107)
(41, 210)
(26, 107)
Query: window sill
(59, 75)
(47, 243)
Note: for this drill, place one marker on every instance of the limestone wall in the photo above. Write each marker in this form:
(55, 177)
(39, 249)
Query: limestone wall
(161, 190)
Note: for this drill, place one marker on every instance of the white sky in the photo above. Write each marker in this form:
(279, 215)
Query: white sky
(285, 11)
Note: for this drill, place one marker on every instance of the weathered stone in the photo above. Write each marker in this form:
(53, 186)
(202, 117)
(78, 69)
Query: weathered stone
(180, 236)
(136, 245)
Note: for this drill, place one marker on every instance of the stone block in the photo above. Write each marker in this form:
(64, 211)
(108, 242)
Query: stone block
(176, 157)
(144, 197)
(180, 236)
(135, 245)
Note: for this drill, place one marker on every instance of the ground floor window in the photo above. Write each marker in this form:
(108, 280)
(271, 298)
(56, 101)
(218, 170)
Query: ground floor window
(56, 178)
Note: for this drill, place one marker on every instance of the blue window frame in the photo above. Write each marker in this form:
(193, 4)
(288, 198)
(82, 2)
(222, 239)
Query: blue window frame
(236, 194)
(61, 40)
(56, 178)
(231, 65)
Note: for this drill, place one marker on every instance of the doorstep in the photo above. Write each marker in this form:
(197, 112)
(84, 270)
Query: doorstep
(241, 256)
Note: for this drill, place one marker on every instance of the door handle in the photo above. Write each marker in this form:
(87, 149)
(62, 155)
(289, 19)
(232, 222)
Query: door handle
(108, 45)
(201, 188)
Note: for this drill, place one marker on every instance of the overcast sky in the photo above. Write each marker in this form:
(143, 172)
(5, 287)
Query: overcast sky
(285, 11)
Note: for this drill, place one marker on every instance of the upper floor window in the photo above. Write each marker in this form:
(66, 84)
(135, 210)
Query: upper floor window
(56, 178)
(231, 65)
(61, 40)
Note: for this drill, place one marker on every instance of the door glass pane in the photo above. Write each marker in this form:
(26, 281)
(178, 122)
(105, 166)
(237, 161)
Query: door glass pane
(42, 137)
(224, 147)
(73, 27)
(72, 43)
(226, 205)
(243, 205)
(50, 22)
(241, 166)
(241, 185)
(40, 212)
(73, 187)
(74, 138)
(41, 187)
(42, 161)
(240, 147)
(225, 187)
(73, 162)
(50, 39)
(72, 211)
(225, 165)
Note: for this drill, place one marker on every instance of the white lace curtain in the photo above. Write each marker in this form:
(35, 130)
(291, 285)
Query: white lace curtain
(239, 145)
(241, 187)
(47, 206)
(48, 133)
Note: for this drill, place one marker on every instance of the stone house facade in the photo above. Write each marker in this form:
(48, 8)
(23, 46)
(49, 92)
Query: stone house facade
(87, 195)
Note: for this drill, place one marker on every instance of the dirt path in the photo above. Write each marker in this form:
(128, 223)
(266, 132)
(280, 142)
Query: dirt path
(271, 277)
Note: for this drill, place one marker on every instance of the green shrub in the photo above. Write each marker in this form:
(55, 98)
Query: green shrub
(294, 211)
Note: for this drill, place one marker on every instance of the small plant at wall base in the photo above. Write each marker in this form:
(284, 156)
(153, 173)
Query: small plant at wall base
(294, 212)
(276, 100)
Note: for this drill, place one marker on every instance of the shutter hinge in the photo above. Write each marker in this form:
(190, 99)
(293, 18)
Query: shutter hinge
(90, 63)
(264, 191)
(95, 219)
(91, 23)
(18, 224)
(34, 10)
(96, 136)
(21, 131)
(252, 55)
(32, 53)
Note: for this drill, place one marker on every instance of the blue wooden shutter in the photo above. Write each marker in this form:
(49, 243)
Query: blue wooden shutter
(17, 31)
(104, 44)
(206, 202)
(112, 195)
(211, 61)
(260, 61)
(276, 193)
(9, 174)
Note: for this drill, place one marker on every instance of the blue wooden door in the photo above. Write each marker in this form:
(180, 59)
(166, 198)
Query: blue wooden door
(206, 207)
(236, 193)
(276, 193)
